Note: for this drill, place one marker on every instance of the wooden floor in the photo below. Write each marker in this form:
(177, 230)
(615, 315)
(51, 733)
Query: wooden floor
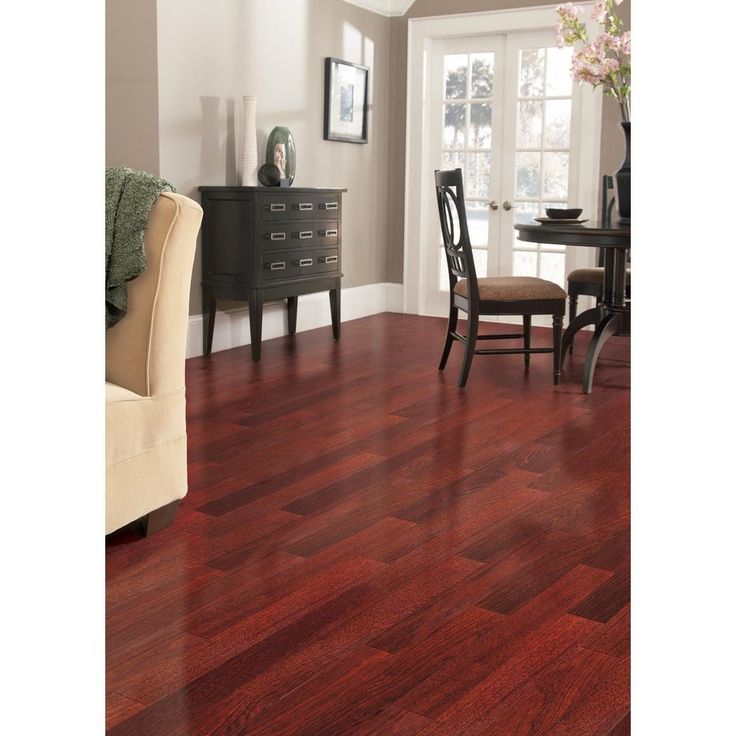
(366, 549)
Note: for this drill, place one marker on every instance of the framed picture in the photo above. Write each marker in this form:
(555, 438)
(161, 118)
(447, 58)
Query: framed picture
(346, 101)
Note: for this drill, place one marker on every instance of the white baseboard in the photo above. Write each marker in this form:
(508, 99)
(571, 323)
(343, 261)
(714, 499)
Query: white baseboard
(232, 328)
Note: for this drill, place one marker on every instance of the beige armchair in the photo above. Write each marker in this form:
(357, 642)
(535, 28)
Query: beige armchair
(146, 441)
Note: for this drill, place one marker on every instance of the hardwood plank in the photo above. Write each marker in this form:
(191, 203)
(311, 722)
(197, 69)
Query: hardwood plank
(119, 708)
(615, 637)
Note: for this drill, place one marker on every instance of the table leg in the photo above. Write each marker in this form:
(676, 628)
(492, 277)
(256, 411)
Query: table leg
(618, 296)
(608, 275)
(588, 317)
(607, 327)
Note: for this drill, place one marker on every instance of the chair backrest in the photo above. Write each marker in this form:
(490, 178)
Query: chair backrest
(607, 204)
(454, 226)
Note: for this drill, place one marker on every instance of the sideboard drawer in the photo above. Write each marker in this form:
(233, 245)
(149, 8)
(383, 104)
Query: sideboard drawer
(294, 264)
(299, 234)
(278, 206)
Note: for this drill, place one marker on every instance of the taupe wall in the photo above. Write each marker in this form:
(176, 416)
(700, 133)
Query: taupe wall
(131, 84)
(212, 53)
(611, 137)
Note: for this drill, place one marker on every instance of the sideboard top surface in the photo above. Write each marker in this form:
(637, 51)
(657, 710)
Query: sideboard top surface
(274, 190)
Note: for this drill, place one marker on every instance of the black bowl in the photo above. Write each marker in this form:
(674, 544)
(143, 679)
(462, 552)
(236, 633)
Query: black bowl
(555, 214)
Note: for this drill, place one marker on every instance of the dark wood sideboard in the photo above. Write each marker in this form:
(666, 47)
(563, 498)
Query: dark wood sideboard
(265, 243)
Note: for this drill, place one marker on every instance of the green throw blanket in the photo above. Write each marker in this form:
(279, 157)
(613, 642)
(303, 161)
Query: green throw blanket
(129, 196)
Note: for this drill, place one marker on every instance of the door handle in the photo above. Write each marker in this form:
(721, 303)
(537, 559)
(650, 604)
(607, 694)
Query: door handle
(493, 204)
(507, 205)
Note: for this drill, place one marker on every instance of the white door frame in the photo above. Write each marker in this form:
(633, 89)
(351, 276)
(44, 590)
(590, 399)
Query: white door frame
(419, 196)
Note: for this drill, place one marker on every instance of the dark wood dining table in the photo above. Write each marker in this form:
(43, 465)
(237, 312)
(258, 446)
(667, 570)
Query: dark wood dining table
(612, 316)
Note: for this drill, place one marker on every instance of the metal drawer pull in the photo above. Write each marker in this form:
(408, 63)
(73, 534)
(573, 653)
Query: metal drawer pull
(328, 206)
(305, 262)
(328, 233)
(304, 234)
(276, 236)
(278, 208)
(276, 265)
(305, 207)
(328, 259)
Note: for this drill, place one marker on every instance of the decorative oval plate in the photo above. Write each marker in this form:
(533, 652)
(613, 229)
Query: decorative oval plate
(559, 221)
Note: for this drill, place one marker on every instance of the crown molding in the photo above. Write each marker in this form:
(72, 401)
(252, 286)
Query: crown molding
(388, 8)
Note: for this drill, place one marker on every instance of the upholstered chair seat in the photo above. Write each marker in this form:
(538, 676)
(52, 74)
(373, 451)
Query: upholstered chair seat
(512, 289)
(590, 276)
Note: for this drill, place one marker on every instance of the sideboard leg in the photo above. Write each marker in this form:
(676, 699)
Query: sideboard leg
(292, 304)
(255, 311)
(335, 310)
(210, 309)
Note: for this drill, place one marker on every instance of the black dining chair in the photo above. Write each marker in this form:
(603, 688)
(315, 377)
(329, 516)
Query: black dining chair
(589, 281)
(501, 295)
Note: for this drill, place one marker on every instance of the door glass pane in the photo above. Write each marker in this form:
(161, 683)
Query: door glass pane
(453, 160)
(478, 178)
(542, 125)
(555, 175)
(481, 80)
(456, 76)
(480, 125)
(525, 212)
(559, 78)
(531, 72)
(528, 174)
(552, 267)
(529, 124)
(525, 263)
(454, 130)
(477, 213)
(557, 123)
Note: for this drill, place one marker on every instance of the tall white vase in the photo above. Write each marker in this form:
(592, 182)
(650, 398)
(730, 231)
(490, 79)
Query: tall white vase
(249, 155)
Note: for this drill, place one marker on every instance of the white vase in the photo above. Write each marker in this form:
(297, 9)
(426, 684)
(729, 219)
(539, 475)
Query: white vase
(249, 155)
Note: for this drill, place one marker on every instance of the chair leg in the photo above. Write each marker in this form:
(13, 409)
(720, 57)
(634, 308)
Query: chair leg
(451, 327)
(469, 348)
(527, 338)
(573, 313)
(557, 346)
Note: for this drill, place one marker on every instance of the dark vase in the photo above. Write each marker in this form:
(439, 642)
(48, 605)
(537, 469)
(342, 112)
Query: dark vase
(281, 152)
(623, 179)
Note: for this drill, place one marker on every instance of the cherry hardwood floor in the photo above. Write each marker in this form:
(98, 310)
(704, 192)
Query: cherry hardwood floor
(367, 549)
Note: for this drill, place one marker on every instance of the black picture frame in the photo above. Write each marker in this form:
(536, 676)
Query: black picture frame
(346, 118)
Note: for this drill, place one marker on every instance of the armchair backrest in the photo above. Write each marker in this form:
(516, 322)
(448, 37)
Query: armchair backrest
(145, 351)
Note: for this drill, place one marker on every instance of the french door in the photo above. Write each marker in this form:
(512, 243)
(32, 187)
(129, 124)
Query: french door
(503, 108)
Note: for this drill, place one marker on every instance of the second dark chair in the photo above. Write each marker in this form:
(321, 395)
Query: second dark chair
(589, 281)
(503, 295)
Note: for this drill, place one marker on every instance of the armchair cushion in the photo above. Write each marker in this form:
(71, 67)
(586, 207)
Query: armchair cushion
(137, 424)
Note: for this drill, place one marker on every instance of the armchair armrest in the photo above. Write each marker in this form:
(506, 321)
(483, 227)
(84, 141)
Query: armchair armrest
(145, 351)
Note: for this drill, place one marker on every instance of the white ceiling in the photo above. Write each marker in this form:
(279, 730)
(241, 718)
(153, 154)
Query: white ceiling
(384, 7)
